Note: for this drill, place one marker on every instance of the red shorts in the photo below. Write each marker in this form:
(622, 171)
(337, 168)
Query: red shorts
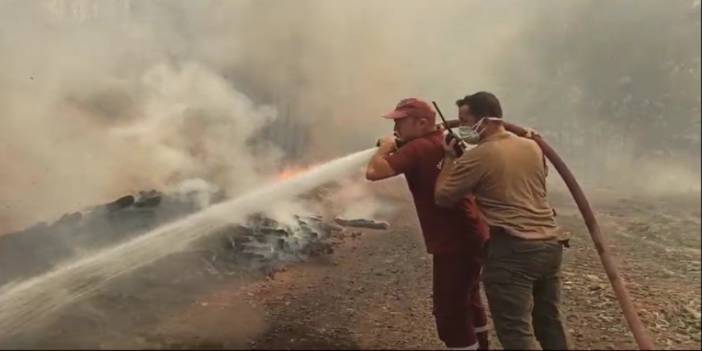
(458, 308)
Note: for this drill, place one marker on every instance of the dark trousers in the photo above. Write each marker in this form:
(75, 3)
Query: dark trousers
(522, 284)
(458, 308)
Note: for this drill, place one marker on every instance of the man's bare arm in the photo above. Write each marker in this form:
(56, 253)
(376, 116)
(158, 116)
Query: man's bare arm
(378, 167)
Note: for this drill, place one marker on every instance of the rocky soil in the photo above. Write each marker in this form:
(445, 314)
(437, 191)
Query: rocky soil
(370, 289)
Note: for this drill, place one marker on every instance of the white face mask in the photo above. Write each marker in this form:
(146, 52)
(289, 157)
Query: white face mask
(471, 135)
(467, 134)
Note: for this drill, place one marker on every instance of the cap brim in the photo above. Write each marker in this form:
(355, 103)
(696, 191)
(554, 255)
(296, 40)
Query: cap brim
(396, 114)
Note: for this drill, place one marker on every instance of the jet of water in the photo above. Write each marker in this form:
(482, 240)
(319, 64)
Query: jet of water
(32, 301)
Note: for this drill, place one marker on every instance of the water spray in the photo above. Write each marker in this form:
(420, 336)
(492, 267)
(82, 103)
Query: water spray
(31, 302)
(27, 302)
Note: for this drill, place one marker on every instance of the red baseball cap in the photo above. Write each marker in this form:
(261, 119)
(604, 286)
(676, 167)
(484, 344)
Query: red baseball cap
(411, 107)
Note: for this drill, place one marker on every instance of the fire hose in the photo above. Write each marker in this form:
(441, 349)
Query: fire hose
(637, 329)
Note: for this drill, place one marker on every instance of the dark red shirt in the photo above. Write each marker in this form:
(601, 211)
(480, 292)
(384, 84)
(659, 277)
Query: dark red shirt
(445, 230)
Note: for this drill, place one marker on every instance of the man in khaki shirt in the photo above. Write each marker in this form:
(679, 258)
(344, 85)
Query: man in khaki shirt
(507, 176)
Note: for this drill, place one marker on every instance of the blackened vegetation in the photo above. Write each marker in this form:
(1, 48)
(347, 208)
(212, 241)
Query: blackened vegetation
(265, 244)
(260, 243)
(362, 223)
(41, 247)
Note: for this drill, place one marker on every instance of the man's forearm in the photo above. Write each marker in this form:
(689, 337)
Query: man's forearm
(443, 195)
(378, 167)
(378, 158)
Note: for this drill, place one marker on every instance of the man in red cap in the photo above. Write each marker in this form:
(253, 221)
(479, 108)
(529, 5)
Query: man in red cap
(454, 236)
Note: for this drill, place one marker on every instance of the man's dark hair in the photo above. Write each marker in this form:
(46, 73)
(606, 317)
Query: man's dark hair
(482, 104)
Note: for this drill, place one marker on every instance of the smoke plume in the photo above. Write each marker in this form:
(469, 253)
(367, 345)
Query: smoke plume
(98, 99)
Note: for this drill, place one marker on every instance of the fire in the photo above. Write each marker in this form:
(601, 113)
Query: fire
(292, 171)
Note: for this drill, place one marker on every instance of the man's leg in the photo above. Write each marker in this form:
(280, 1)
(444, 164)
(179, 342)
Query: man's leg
(451, 303)
(510, 305)
(509, 293)
(475, 301)
(548, 324)
(480, 321)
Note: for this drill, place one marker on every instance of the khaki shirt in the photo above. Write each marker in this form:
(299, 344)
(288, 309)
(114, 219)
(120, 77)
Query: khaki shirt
(507, 175)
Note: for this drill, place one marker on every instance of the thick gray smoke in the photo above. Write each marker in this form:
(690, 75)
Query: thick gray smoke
(100, 98)
(616, 88)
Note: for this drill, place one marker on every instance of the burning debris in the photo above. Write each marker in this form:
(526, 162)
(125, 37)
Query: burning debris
(362, 223)
(265, 244)
(30, 302)
(261, 243)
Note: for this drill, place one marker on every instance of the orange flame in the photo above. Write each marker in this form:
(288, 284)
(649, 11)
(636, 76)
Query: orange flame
(289, 172)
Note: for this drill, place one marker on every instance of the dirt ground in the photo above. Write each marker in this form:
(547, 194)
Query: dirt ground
(374, 290)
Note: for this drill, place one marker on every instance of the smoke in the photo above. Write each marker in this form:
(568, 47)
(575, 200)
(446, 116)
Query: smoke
(361, 200)
(198, 190)
(98, 99)
(103, 98)
(104, 109)
(615, 88)
(26, 301)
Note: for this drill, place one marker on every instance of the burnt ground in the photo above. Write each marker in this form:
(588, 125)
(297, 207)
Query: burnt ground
(374, 290)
